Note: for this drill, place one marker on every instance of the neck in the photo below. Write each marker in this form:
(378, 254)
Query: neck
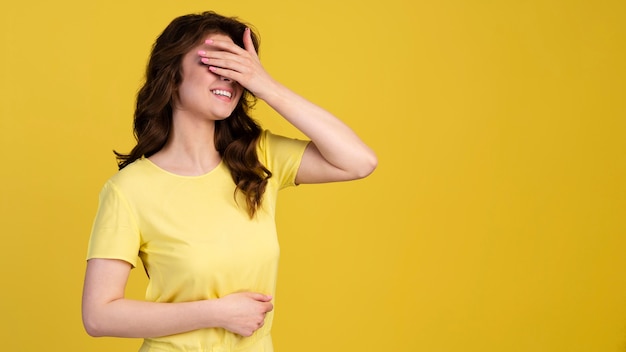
(190, 148)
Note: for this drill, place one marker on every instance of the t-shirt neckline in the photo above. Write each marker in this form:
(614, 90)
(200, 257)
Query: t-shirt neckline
(213, 170)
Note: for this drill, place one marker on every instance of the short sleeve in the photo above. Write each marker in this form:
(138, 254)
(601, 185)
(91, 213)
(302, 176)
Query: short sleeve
(282, 156)
(115, 233)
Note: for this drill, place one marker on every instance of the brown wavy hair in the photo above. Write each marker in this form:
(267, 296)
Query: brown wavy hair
(235, 137)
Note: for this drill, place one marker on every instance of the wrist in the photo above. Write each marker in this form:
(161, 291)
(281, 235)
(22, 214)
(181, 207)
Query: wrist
(271, 91)
(211, 314)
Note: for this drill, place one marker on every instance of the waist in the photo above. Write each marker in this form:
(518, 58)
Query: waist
(211, 340)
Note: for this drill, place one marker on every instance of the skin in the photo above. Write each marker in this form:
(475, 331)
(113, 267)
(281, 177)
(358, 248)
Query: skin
(335, 153)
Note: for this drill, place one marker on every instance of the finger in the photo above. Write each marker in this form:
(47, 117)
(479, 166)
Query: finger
(260, 297)
(248, 44)
(223, 63)
(225, 45)
(247, 333)
(216, 54)
(269, 308)
(220, 54)
(226, 73)
(255, 296)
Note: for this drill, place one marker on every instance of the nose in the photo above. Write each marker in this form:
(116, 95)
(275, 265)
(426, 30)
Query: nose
(225, 79)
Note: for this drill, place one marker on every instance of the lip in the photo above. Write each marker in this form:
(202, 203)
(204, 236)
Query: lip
(221, 97)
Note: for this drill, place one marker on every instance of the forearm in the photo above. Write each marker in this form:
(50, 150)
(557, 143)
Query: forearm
(336, 142)
(107, 313)
(131, 318)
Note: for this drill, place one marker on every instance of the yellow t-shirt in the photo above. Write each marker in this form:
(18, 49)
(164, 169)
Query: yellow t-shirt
(195, 240)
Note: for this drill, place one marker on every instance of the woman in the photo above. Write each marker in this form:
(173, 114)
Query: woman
(195, 198)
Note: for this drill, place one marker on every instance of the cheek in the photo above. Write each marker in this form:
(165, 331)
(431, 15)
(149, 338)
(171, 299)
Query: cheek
(240, 91)
(190, 94)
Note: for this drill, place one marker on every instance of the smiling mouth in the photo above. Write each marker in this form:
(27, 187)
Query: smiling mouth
(222, 93)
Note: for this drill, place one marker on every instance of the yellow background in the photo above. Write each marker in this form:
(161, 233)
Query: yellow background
(494, 222)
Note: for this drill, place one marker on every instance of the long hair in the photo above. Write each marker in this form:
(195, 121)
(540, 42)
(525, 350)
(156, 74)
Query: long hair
(235, 137)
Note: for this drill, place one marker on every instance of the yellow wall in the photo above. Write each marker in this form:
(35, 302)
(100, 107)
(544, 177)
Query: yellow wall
(496, 218)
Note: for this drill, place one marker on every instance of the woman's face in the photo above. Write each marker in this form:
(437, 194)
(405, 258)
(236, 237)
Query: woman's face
(202, 93)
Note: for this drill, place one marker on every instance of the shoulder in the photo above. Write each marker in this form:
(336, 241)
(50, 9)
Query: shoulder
(281, 155)
(263, 140)
(132, 176)
(270, 143)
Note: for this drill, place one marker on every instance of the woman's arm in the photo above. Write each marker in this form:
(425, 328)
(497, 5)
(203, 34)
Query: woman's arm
(107, 313)
(336, 152)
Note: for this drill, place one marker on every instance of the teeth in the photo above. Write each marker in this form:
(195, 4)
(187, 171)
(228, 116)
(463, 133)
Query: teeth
(221, 92)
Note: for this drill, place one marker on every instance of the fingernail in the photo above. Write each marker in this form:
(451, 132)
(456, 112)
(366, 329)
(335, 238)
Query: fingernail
(205, 60)
(202, 52)
(209, 41)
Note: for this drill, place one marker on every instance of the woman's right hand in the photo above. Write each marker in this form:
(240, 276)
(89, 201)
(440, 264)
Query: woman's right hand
(243, 313)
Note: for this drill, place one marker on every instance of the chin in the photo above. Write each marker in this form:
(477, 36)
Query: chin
(221, 118)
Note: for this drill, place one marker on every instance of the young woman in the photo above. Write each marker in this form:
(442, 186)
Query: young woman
(195, 199)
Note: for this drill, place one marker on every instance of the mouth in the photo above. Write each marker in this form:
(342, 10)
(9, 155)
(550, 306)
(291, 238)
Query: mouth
(222, 93)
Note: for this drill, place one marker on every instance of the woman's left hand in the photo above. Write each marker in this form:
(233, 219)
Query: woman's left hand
(243, 66)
